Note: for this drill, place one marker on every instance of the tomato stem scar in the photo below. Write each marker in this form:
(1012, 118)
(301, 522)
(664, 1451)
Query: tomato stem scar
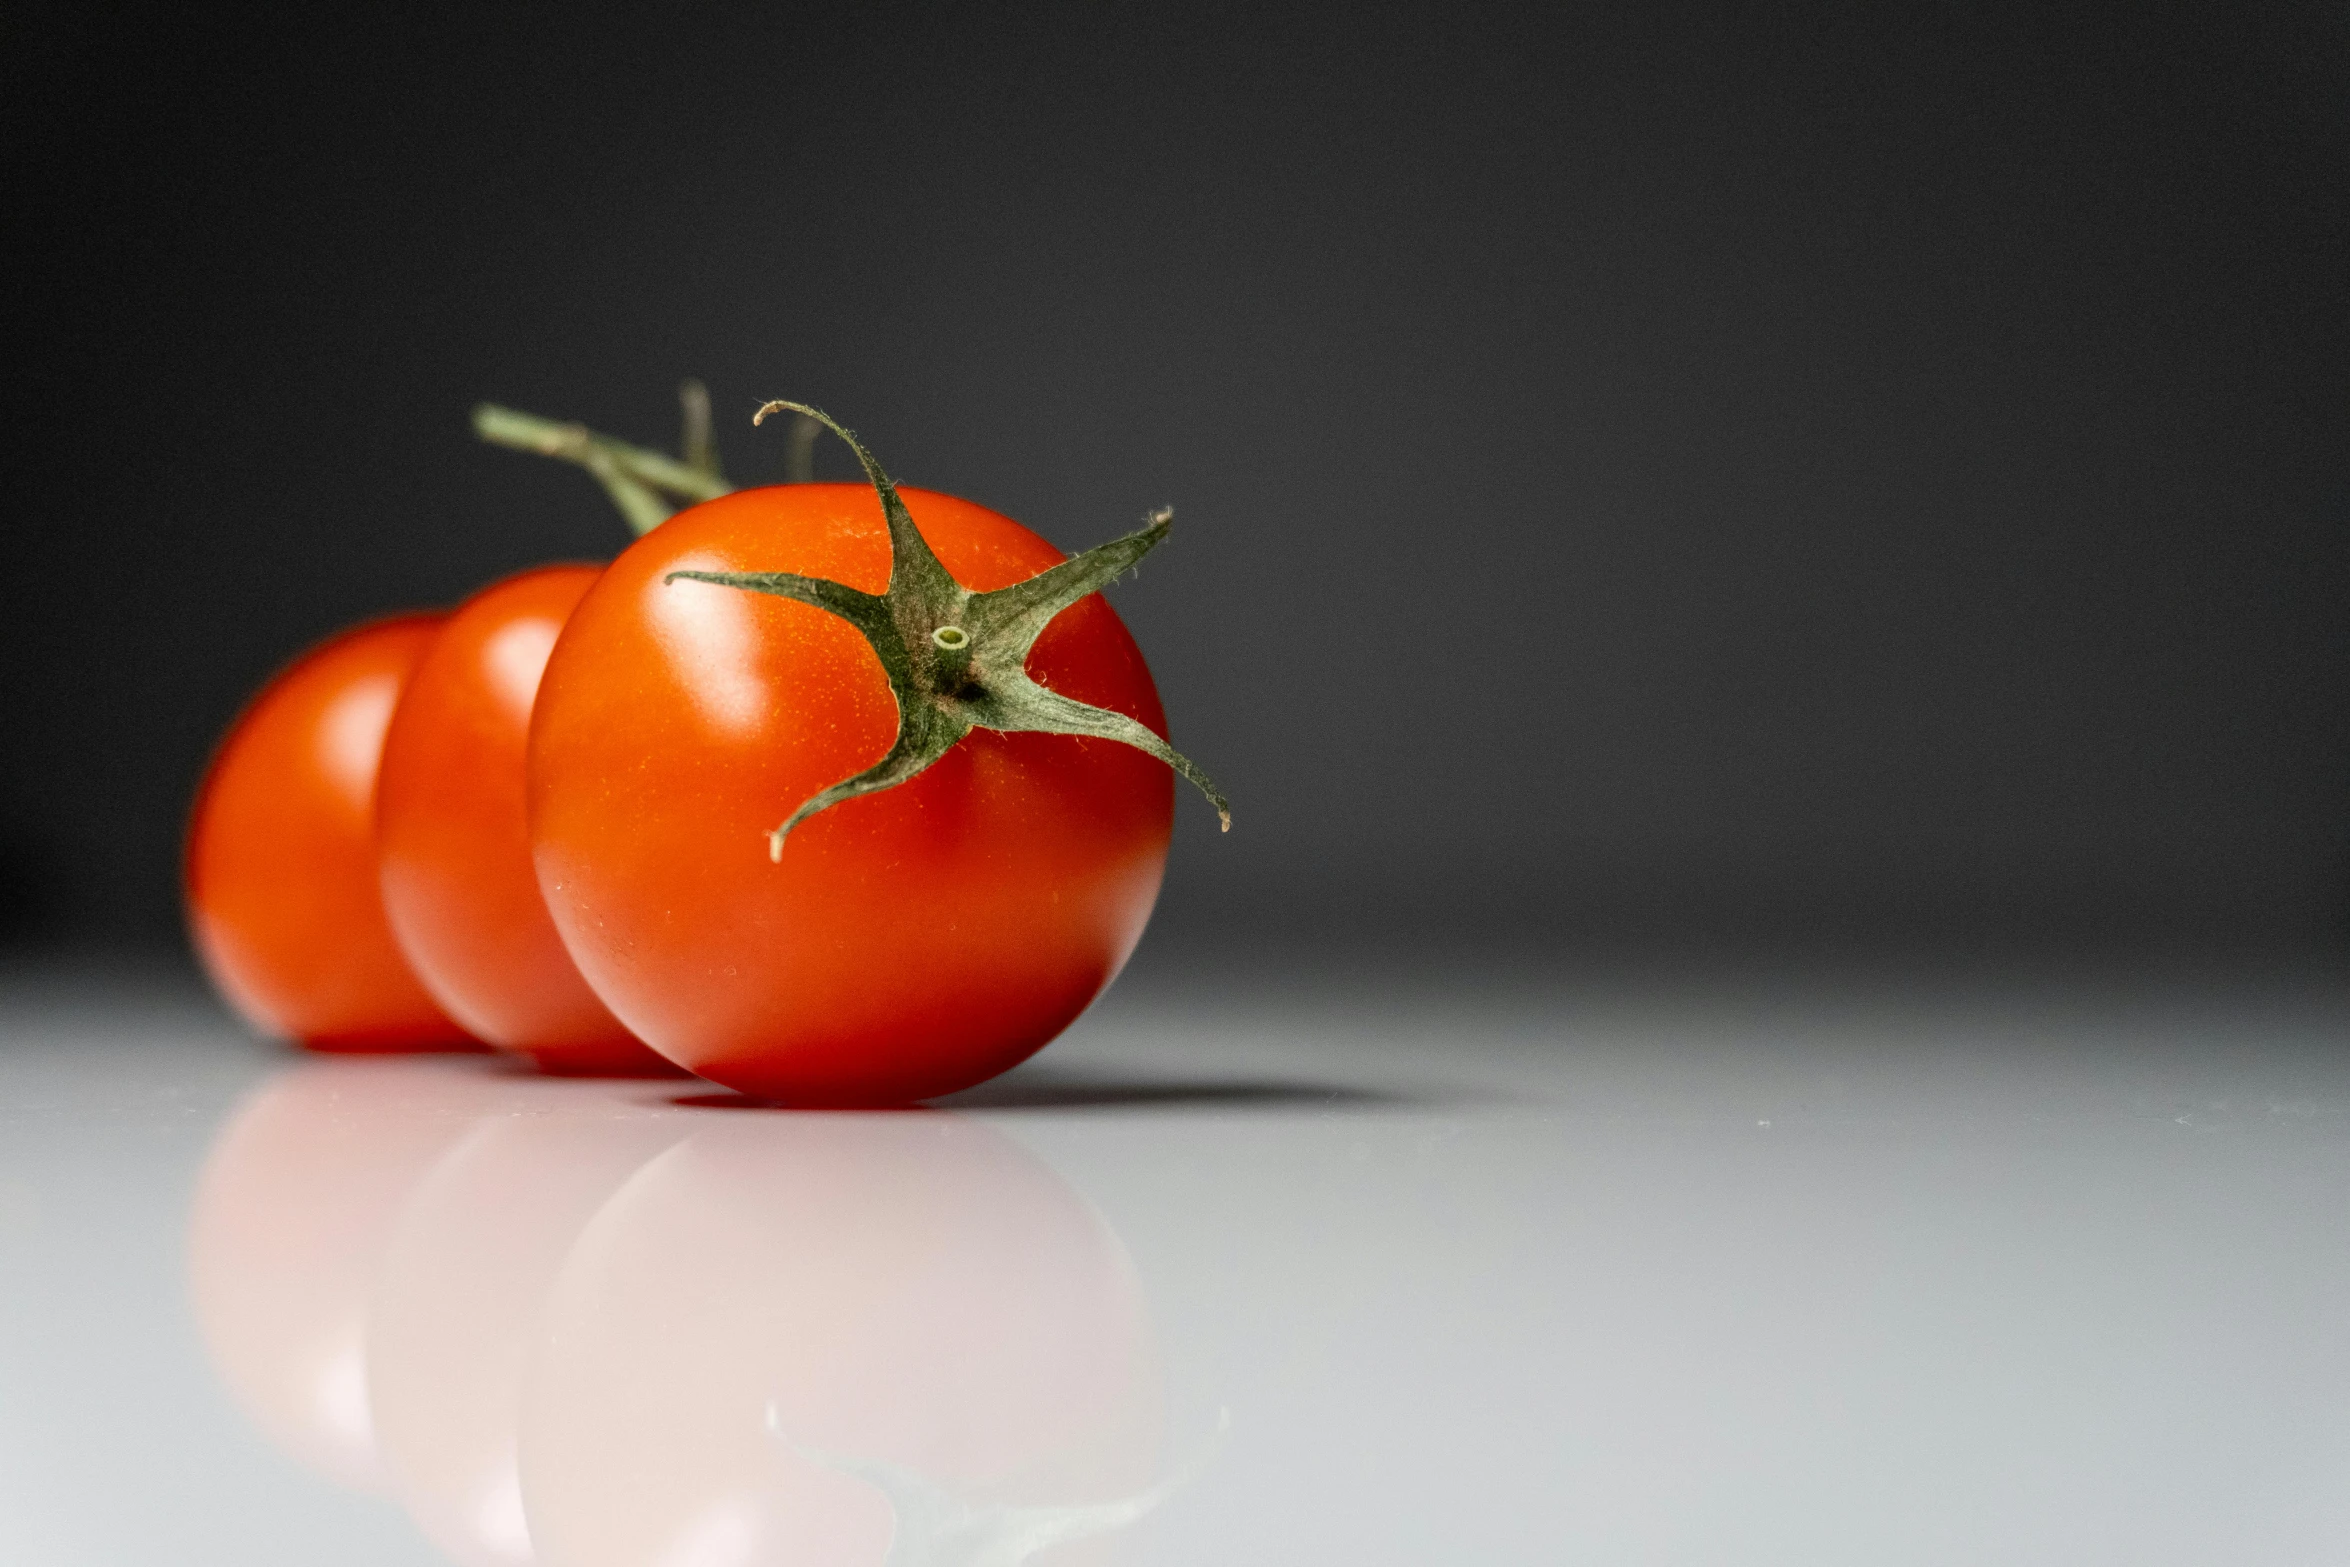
(953, 658)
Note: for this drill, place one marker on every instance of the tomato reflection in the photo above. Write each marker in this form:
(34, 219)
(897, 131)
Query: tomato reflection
(297, 1200)
(841, 1339)
(569, 1325)
(455, 1311)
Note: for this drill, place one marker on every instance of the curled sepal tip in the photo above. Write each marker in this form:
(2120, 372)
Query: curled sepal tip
(957, 660)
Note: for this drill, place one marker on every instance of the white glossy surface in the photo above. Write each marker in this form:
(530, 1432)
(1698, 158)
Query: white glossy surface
(1484, 1268)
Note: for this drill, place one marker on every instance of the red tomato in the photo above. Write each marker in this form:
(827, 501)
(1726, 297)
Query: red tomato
(281, 886)
(452, 846)
(910, 942)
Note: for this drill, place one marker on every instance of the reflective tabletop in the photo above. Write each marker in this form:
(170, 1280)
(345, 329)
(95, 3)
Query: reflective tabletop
(1376, 1264)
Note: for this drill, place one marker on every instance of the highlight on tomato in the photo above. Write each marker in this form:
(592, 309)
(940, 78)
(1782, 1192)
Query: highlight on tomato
(280, 875)
(846, 794)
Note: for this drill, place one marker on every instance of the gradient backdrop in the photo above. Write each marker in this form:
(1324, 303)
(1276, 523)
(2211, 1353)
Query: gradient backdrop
(1828, 472)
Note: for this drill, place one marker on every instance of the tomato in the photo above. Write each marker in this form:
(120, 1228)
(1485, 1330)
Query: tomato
(452, 846)
(910, 942)
(280, 870)
(842, 1339)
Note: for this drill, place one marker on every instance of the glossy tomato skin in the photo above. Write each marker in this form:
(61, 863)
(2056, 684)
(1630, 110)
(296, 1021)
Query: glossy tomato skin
(911, 942)
(452, 845)
(280, 868)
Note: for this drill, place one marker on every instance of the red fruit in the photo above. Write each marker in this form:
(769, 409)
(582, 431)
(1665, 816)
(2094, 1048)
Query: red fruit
(903, 944)
(452, 845)
(280, 873)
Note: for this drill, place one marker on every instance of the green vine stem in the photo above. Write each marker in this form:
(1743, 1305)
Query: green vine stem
(634, 477)
(642, 482)
(799, 462)
(696, 443)
(957, 660)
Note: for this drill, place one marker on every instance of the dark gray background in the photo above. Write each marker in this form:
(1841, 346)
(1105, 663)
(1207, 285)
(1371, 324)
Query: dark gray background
(1871, 473)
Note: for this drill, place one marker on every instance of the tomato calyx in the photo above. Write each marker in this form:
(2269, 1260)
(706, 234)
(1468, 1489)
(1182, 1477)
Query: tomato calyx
(956, 660)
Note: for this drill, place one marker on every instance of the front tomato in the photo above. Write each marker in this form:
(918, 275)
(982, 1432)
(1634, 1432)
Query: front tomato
(905, 943)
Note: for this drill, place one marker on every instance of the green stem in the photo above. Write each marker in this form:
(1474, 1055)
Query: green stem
(643, 510)
(575, 442)
(697, 445)
(799, 458)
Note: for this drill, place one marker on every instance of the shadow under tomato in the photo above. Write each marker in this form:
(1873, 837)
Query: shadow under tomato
(1094, 1088)
(727, 1099)
(1046, 1088)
